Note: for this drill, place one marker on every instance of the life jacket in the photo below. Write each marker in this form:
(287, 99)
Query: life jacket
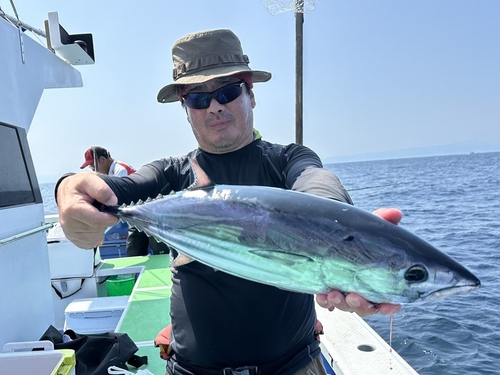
(129, 169)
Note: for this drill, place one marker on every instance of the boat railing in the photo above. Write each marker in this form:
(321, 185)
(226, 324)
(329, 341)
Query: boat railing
(19, 236)
(21, 25)
(77, 49)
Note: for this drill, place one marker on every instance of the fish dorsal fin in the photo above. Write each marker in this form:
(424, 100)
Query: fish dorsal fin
(200, 177)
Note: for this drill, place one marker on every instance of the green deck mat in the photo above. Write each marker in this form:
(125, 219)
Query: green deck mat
(155, 364)
(151, 262)
(148, 313)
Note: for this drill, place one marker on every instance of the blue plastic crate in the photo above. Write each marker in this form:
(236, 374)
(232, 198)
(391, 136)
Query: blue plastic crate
(118, 232)
(113, 249)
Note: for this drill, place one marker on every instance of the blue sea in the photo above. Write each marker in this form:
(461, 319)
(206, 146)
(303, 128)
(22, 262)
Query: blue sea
(453, 202)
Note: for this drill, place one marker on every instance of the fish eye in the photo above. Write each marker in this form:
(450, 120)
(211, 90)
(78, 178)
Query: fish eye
(416, 274)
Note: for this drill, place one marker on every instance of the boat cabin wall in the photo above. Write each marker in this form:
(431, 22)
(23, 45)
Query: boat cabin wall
(26, 69)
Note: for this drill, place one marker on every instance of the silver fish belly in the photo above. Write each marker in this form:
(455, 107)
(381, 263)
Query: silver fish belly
(300, 242)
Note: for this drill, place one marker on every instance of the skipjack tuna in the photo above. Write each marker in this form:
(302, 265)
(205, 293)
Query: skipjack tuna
(298, 242)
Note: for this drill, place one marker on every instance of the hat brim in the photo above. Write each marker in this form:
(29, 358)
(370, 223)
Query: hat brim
(86, 164)
(168, 94)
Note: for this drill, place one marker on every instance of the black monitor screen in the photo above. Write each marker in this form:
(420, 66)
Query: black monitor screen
(18, 183)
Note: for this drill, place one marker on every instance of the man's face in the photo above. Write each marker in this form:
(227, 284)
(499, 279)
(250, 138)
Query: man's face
(222, 128)
(103, 165)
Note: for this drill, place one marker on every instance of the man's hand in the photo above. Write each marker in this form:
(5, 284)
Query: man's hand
(354, 302)
(82, 223)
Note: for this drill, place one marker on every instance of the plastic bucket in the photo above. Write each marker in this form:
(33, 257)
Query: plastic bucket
(120, 285)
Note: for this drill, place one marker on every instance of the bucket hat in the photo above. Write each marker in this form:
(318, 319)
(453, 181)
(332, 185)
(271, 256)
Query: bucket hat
(206, 55)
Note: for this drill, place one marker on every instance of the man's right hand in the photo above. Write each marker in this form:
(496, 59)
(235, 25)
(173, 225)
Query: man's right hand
(82, 223)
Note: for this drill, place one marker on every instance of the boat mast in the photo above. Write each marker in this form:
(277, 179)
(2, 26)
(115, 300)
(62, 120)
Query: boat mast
(299, 7)
(299, 55)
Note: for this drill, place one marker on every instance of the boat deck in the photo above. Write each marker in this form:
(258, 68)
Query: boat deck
(148, 309)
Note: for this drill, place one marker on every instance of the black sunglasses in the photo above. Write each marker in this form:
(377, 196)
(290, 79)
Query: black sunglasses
(224, 95)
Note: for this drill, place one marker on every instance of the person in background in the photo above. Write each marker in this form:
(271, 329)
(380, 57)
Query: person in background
(221, 324)
(138, 244)
(99, 160)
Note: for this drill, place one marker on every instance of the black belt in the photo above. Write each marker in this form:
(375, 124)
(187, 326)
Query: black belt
(176, 369)
(247, 370)
(302, 358)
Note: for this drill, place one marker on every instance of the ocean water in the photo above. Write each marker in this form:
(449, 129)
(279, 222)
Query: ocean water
(452, 202)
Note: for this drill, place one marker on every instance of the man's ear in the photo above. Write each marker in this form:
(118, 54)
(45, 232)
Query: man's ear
(252, 98)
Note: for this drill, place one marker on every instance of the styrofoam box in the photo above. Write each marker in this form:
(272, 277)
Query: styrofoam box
(43, 363)
(18, 358)
(94, 315)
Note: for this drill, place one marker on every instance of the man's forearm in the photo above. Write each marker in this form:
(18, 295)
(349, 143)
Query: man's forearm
(322, 182)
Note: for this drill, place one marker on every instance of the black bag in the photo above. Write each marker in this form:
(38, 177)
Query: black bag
(96, 352)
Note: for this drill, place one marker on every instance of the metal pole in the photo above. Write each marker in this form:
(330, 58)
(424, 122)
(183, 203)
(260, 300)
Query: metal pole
(20, 24)
(299, 23)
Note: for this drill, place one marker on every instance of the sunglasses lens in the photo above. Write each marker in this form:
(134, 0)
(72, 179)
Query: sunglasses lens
(228, 93)
(198, 101)
(223, 95)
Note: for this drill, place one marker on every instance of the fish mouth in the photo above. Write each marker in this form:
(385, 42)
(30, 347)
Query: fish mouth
(451, 291)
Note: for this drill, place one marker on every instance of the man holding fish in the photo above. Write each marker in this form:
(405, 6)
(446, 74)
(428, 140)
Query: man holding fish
(222, 324)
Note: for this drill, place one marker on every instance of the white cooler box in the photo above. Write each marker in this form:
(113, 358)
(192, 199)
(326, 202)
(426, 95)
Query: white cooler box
(71, 272)
(94, 315)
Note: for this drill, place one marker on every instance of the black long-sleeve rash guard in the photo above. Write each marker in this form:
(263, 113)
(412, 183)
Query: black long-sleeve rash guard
(224, 321)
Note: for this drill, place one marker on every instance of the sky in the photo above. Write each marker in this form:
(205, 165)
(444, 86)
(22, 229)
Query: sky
(379, 76)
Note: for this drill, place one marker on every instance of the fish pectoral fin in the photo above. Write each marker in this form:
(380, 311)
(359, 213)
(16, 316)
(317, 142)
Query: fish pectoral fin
(181, 260)
(249, 238)
(201, 179)
(282, 257)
